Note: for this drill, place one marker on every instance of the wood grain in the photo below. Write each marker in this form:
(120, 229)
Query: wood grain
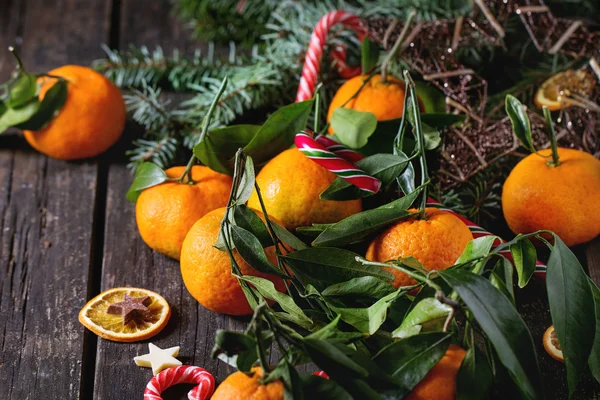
(46, 211)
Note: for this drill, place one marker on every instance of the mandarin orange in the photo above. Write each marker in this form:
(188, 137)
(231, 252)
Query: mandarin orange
(239, 386)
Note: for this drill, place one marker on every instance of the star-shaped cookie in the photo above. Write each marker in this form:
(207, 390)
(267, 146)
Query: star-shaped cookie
(130, 308)
(159, 359)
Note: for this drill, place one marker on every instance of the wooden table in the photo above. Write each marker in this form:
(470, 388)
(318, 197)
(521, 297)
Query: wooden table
(67, 232)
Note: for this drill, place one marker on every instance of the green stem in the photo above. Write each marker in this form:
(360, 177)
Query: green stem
(553, 145)
(412, 274)
(16, 55)
(317, 107)
(420, 139)
(396, 47)
(205, 125)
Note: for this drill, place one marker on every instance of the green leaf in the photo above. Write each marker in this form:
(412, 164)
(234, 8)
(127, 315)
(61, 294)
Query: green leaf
(237, 344)
(353, 128)
(23, 90)
(246, 218)
(367, 320)
(520, 121)
(427, 316)
(287, 304)
(477, 248)
(385, 167)
(2, 109)
(594, 360)
(278, 132)
(315, 387)
(332, 360)
(369, 55)
(432, 98)
(524, 258)
(406, 181)
(247, 181)
(16, 116)
(502, 324)
(287, 237)
(218, 148)
(571, 304)
(474, 377)
(365, 286)
(331, 331)
(252, 251)
(53, 101)
(358, 226)
(431, 135)
(324, 266)
(502, 278)
(147, 175)
(409, 360)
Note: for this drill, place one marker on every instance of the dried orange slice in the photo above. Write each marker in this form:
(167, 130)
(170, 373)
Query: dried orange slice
(141, 326)
(567, 88)
(551, 344)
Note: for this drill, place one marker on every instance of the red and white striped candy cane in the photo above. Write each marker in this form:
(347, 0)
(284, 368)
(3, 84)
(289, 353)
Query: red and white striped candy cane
(316, 47)
(343, 168)
(181, 374)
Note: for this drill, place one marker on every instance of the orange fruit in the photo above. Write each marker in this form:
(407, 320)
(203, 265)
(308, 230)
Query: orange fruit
(440, 381)
(166, 212)
(384, 99)
(206, 270)
(91, 120)
(436, 242)
(551, 344)
(290, 186)
(94, 316)
(239, 386)
(564, 199)
(559, 90)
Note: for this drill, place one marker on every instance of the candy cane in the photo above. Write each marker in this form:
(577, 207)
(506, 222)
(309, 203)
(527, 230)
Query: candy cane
(182, 374)
(343, 168)
(316, 47)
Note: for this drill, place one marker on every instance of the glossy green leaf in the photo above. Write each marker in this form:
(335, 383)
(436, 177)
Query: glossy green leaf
(427, 316)
(278, 132)
(331, 331)
(369, 55)
(247, 181)
(520, 121)
(251, 250)
(434, 101)
(431, 135)
(287, 237)
(503, 325)
(23, 90)
(332, 360)
(409, 360)
(367, 320)
(238, 345)
(246, 218)
(406, 181)
(315, 387)
(16, 116)
(353, 128)
(385, 167)
(147, 175)
(364, 286)
(524, 258)
(322, 267)
(571, 305)
(287, 304)
(474, 377)
(594, 360)
(502, 278)
(358, 226)
(218, 148)
(477, 248)
(50, 106)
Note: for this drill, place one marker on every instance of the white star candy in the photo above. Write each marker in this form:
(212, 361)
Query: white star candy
(159, 359)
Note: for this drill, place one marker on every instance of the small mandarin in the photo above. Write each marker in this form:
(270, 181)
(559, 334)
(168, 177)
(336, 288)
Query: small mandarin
(239, 386)
(290, 186)
(436, 242)
(564, 199)
(206, 270)
(166, 212)
(91, 120)
(440, 381)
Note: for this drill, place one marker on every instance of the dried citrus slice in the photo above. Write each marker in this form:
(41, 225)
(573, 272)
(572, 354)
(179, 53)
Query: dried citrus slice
(153, 317)
(562, 90)
(551, 344)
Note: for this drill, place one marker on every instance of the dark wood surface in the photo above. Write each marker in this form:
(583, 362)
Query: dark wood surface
(67, 232)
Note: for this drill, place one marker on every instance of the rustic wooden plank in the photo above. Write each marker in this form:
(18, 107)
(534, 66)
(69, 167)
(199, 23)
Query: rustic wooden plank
(592, 253)
(47, 209)
(129, 262)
